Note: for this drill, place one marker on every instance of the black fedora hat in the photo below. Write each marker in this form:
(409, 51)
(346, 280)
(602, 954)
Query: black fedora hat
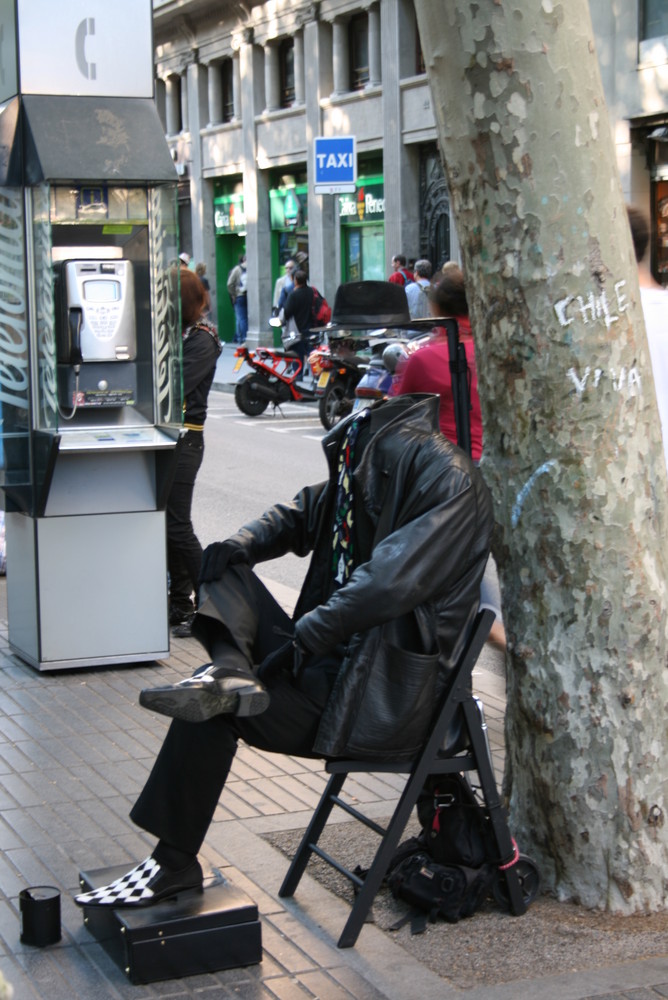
(364, 305)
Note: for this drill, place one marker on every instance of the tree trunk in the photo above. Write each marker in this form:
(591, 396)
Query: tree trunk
(573, 452)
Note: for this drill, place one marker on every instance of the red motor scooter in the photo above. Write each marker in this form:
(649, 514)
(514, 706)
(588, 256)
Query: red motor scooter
(275, 378)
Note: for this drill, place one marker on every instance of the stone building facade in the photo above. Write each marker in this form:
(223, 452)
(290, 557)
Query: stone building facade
(244, 88)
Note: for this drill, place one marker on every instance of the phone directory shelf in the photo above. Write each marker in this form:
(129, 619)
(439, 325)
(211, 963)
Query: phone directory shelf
(115, 439)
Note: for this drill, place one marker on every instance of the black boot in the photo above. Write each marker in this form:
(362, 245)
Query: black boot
(215, 689)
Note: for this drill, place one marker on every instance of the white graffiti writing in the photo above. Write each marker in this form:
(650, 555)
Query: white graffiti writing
(591, 308)
(629, 380)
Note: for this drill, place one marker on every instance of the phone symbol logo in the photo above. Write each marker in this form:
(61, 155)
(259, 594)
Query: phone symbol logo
(85, 28)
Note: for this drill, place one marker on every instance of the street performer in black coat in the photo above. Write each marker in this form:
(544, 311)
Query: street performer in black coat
(399, 535)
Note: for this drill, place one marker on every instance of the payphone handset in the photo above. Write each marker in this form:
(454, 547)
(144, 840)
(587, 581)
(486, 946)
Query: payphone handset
(99, 304)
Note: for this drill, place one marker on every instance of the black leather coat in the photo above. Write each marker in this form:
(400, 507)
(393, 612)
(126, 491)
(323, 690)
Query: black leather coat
(402, 615)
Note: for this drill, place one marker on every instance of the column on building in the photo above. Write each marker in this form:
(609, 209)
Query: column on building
(272, 82)
(215, 94)
(236, 86)
(340, 57)
(400, 164)
(256, 189)
(320, 45)
(374, 46)
(201, 195)
(185, 119)
(299, 67)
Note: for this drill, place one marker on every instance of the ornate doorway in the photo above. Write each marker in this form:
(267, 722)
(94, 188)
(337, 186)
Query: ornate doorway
(434, 209)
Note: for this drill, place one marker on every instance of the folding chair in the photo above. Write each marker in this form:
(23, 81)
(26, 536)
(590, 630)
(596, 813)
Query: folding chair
(477, 757)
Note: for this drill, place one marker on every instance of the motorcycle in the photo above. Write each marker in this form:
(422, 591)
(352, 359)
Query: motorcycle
(338, 368)
(275, 378)
(380, 374)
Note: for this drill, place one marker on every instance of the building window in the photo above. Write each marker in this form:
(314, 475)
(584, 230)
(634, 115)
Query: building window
(227, 81)
(174, 104)
(358, 42)
(419, 54)
(286, 62)
(654, 19)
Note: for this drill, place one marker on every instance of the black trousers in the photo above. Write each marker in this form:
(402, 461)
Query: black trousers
(184, 552)
(185, 784)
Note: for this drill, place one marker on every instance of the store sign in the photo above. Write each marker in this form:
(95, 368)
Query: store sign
(228, 214)
(335, 161)
(366, 205)
(288, 207)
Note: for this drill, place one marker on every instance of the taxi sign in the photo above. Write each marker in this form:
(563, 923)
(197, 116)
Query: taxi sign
(335, 163)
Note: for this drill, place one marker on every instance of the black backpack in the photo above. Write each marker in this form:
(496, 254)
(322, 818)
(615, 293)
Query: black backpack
(448, 891)
(446, 871)
(455, 827)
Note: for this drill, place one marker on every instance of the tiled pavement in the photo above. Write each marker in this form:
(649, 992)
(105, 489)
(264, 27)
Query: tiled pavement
(75, 749)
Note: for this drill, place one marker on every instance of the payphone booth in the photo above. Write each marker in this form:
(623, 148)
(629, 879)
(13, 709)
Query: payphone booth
(90, 347)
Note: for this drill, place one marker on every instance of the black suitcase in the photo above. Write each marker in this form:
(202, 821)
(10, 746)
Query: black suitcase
(194, 933)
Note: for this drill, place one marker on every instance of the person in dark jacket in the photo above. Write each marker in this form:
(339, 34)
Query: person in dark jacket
(299, 308)
(399, 535)
(201, 348)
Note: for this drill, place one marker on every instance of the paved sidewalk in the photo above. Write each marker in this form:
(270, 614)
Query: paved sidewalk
(75, 749)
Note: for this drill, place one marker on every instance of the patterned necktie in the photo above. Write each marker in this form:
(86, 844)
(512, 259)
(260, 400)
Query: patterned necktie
(343, 551)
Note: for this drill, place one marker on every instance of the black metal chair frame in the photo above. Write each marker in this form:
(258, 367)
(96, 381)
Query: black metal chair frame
(477, 757)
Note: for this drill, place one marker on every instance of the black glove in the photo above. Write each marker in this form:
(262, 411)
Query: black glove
(290, 657)
(217, 557)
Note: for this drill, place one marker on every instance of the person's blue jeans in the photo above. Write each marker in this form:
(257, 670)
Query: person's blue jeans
(241, 317)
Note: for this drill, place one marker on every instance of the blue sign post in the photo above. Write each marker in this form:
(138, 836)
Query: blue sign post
(335, 164)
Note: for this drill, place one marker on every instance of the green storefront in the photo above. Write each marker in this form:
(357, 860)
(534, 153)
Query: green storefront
(230, 227)
(362, 221)
(288, 206)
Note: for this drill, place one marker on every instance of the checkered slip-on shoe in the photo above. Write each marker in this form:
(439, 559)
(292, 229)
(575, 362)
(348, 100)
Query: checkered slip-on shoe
(204, 695)
(146, 884)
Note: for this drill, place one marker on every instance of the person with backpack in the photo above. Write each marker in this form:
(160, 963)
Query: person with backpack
(417, 292)
(400, 272)
(299, 308)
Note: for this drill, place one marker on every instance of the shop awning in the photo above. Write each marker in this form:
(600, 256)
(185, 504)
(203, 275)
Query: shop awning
(113, 139)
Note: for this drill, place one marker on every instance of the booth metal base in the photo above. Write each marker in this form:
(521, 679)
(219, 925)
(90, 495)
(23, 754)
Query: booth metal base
(87, 590)
(191, 934)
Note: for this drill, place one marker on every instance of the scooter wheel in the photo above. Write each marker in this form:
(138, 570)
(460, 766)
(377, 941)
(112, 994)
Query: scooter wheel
(334, 405)
(247, 401)
(529, 879)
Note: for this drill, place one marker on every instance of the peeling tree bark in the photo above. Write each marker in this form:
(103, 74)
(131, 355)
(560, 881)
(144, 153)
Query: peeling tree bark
(572, 441)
